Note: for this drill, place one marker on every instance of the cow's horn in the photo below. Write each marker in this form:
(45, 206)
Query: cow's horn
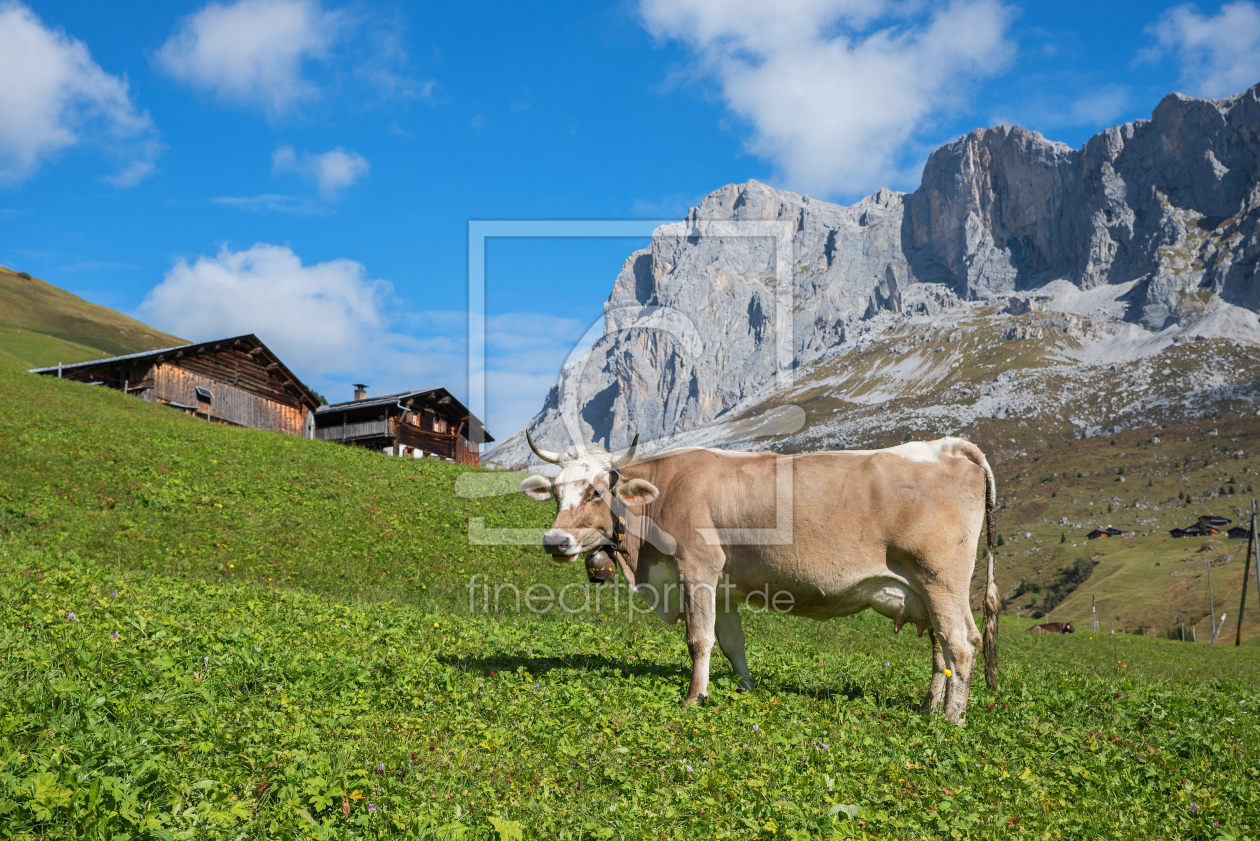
(545, 455)
(628, 456)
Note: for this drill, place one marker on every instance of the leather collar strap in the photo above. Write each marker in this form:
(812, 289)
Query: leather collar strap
(619, 535)
(618, 509)
(600, 568)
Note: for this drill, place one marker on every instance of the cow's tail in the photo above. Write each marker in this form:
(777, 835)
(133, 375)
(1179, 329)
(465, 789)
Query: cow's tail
(992, 601)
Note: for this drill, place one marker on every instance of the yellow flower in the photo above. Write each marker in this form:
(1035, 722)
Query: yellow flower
(948, 673)
(435, 625)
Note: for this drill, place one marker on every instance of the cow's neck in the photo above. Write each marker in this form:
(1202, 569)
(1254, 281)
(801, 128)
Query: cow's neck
(645, 543)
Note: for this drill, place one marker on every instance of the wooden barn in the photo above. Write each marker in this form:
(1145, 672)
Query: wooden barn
(1107, 532)
(236, 381)
(1239, 533)
(415, 424)
(1197, 530)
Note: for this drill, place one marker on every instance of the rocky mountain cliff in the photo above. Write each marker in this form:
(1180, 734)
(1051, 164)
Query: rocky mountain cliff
(1011, 284)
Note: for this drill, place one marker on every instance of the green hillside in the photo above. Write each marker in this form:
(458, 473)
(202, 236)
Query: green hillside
(215, 632)
(1147, 482)
(43, 325)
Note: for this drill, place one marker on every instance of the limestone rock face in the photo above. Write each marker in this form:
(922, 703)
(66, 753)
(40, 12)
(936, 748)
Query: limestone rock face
(1004, 209)
(1169, 206)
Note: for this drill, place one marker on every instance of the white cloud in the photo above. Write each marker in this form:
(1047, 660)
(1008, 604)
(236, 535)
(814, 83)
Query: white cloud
(672, 206)
(328, 322)
(252, 52)
(301, 205)
(382, 60)
(1102, 106)
(1218, 55)
(519, 331)
(837, 91)
(331, 171)
(53, 96)
(1043, 109)
(334, 326)
(524, 354)
(322, 318)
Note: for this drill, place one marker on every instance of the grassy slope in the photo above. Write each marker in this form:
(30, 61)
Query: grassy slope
(1150, 580)
(294, 640)
(43, 325)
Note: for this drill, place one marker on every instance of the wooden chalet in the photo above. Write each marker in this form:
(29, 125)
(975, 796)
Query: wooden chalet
(1107, 532)
(1215, 521)
(1238, 533)
(1196, 530)
(415, 424)
(236, 381)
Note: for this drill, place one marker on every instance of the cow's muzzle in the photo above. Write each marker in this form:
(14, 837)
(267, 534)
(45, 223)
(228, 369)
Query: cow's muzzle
(560, 545)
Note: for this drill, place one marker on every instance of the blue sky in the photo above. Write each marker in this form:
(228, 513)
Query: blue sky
(306, 170)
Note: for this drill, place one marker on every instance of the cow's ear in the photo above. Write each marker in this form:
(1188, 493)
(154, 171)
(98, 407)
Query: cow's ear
(537, 488)
(636, 491)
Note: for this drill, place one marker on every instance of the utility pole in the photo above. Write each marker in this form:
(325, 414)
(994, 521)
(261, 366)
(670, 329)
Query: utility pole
(1093, 609)
(1211, 603)
(1251, 539)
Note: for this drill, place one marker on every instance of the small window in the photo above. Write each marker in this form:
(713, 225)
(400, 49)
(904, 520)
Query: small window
(204, 394)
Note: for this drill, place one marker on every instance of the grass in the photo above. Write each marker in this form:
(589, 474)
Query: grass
(43, 325)
(1150, 580)
(271, 638)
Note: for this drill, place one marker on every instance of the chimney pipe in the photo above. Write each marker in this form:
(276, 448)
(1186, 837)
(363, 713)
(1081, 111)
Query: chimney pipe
(360, 392)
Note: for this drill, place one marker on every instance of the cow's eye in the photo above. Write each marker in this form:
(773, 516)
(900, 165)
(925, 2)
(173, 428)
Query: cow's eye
(596, 493)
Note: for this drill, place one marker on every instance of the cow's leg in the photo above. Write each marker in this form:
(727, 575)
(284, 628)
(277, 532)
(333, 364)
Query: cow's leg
(730, 634)
(936, 689)
(700, 611)
(960, 640)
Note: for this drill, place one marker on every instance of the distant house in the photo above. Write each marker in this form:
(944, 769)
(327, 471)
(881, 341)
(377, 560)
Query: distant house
(1107, 532)
(1215, 521)
(415, 424)
(236, 381)
(1238, 533)
(1199, 529)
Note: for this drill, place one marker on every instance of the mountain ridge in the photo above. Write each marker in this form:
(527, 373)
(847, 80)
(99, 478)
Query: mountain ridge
(1142, 240)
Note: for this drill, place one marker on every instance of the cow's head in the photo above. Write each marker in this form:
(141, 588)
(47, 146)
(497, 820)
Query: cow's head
(590, 493)
(1068, 629)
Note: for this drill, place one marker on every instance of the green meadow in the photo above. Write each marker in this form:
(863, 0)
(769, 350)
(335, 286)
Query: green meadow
(43, 325)
(210, 632)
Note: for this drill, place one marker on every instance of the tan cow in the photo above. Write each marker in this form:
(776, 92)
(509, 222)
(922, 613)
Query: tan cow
(894, 530)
